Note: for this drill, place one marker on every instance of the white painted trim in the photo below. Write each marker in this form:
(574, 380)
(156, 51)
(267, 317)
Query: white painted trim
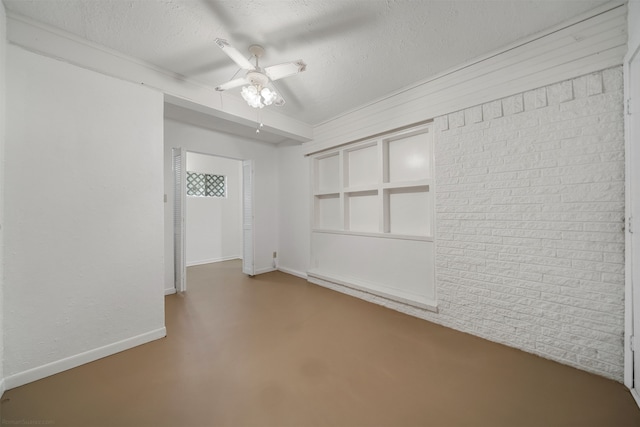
(34, 374)
(2, 387)
(248, 218)
(293, 272)
(212, 260)
(264, 270)
(169, 291)
(590, 44)
(324, 279)
(630, 310)
(376, 235)
(628, 288)
(55, 43)
(636, 396)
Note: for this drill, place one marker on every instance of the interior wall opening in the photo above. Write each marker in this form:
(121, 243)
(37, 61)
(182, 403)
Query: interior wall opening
(213, 210)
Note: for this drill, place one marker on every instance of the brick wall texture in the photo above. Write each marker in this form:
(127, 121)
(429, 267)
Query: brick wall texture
(529, 222)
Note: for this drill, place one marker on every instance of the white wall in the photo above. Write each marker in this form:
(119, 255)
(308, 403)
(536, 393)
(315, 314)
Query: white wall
(83, 273)
(294, 205)
(192, 138)
(213, 224)
(530, 210)
(3, 44)
(529, 193)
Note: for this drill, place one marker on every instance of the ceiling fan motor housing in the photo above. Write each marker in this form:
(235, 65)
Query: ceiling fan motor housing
(256, 78)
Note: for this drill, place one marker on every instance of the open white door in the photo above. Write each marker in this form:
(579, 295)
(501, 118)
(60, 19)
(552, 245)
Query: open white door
(247, 218)
(632, 237)
(179, 204)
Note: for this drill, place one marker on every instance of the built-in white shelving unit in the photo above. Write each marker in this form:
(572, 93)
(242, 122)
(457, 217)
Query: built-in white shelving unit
(371, 200)
(379, 186)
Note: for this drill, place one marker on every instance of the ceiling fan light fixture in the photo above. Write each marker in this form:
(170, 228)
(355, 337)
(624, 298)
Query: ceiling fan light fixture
(259, 91)
(258, 98)
(252, 96)
(268, 95)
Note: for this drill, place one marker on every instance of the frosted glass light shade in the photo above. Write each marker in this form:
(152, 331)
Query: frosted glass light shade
(251, 95)
(258, 98)
(268, 96)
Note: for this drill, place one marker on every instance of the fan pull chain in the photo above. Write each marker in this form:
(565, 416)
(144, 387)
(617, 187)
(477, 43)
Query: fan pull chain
(259, 123)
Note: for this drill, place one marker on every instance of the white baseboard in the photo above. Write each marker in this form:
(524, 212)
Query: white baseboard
(293, 272)
(264, 270)
(2, 387)
(212, 260)
(399, 302)
(636, 395)
(169, 291)
(34, 374)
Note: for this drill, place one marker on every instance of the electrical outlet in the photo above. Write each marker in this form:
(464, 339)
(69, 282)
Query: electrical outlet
(275, 254)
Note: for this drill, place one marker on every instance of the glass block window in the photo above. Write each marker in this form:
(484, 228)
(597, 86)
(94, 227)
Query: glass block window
(206, 185)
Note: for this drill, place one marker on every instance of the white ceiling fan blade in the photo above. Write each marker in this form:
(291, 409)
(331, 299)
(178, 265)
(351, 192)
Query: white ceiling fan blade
(231, 84)
(280, 71)
(236, 56)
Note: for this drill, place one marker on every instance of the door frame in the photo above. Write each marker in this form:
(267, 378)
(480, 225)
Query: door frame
(183, 210)
(632, 195)
(178, 165)
(248, 219)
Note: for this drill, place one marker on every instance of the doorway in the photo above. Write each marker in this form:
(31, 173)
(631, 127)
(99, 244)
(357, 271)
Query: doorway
(212, 212)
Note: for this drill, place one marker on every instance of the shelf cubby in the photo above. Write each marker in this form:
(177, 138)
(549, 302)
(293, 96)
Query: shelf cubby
(327, 175)
(362, 212)
(408, 211)
(361, 165)
(407, 157)
(327, 212)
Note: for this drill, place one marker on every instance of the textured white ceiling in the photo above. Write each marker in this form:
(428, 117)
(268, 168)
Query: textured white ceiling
(357, 51)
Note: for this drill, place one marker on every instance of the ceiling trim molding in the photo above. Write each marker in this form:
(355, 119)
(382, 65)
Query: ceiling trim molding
(588, 43)
(57, 44)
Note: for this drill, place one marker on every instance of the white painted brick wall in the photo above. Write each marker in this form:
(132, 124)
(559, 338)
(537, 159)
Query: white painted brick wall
(529, 223)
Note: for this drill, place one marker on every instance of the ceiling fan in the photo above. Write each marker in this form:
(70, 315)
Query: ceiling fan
(259, 90)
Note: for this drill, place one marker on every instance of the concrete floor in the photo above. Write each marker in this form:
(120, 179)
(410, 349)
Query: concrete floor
(276, 351)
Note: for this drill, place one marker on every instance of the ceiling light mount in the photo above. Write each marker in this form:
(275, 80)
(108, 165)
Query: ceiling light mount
(256, 50)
